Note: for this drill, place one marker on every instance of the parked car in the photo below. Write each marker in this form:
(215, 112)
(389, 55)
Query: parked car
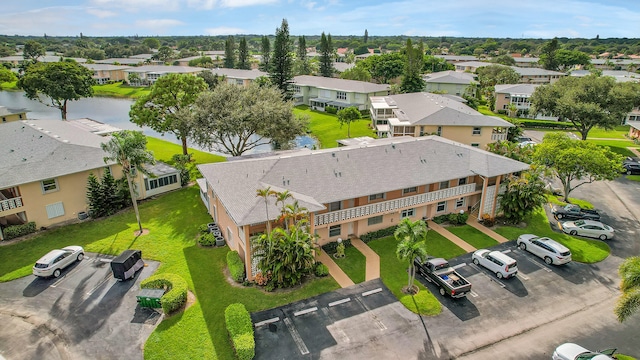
(551, 251)
(631, 166)
(574, 212)
(588, 228)
(55, 261)
(571, 351)
(448, 280)
(498, 263)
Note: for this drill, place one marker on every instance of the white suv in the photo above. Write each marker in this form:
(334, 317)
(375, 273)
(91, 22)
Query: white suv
(551, 251)
(500, 264)
(55, 261)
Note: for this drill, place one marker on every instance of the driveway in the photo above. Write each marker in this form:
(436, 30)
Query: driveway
(84, 314)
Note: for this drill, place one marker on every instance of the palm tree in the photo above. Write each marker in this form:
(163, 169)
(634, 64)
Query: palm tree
(629, 301)
(128, 148)
(407, 251)
(281, 197)
(265, 193)
(295, 212)
(413, 230)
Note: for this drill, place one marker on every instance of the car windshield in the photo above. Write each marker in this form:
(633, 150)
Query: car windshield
(566, 253)
(579, 222)
(41, 266)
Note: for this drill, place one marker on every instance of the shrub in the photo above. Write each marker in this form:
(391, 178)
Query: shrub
(330, 248)
(14, 231)
(331, 110)
(378, 234)
(207, 239)
(204, 228)
(547, 124)
(236, 266)
(175, 288)
(321, 270)
(262, 279)
(440, 219)
(240, 330)
(488, 220)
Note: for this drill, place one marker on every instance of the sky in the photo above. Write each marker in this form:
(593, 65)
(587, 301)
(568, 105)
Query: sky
(460, 18)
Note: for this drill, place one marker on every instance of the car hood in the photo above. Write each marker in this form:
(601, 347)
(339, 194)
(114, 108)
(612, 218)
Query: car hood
(74, 248)
(569, 351)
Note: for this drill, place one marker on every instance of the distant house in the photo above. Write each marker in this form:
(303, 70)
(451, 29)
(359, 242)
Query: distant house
(123, 61)
(634, 128)
(517, 94)
(537, 75)
(238, 76)
(471, 66)
(449, 82)
(44, 171)
(320, 92)
(454, 59)
(616, 64)
(421, 114)
(149, 74)
(10, 114)
(527, 62)
(104, 73)
(19, 59)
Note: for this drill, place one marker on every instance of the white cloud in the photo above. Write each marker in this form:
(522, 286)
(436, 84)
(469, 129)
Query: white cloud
(99, 13)
(202, 4)
(136, 5)
(224, 30)
(244, 3)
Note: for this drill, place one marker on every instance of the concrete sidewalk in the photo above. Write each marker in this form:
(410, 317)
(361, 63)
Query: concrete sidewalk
(492, 234)
(451, 237)
(335, 271)
(635, 151)
(373, 260)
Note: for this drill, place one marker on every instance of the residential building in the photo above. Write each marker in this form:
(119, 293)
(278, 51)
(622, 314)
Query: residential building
(346, 190)
(19, 59)
(616, 64)
(471, 66)
(9, 114)
(517, 94)
(450, 82)
(149, 74)
(534, 75)
(130, 61)
(454, 59)
(421, 114)
(526, 62)
(218, 60)
(45, 167)
(634, 128)
(104, 73)
(238, 76)
(320, 92)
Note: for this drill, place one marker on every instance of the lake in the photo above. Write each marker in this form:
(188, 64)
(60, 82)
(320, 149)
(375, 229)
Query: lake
(112, 111)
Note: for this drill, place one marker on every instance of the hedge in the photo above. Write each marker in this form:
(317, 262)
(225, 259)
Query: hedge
(547, 124)
(236, 266)
(378, 234)
(207, 239)
(175, 288)
(14, 231)
(330, 248)
(240, 330)
(321, 269)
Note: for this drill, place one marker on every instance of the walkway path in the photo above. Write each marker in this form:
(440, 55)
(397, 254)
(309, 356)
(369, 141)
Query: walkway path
(335, 271)
(373, 260)
(451, 237)
(492, 234)
(635, 151)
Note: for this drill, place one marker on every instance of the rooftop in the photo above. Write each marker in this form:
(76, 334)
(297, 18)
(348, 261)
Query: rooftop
(450, 77)
(339, 84)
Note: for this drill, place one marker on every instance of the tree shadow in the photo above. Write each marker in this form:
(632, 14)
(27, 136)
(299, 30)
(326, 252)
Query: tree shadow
(462, 308)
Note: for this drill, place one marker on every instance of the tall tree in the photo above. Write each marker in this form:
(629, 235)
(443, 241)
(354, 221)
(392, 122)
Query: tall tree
(587, 101)
(212, 80)
(234, 119)
(167, 107)
(265, 194)
(523, 194)
(385, 67)
(7, 75)
(548, 58)
(281, 63)
(347, 116)
(490, 76)
(412, 77)
(629, 302)
(33, 50)
(129, 149)
(356, 73)
(61, 82)
(164, 54)
(152, 43)
(243, 55)
(366, 36)
(567, 59)
(326, 52)
(265, 47)
(570, 161)
(301, 64)
(229, 52)
(411, 236)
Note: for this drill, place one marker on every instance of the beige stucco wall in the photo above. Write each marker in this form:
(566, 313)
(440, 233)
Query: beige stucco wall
(462, 134)
(12, 117)
(454, 89)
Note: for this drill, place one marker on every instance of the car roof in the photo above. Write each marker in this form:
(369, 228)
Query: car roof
(589, 222)
(50, 256)
(502, 256)
(554, 244)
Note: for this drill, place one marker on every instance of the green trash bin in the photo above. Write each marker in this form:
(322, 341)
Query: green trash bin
(150, 298)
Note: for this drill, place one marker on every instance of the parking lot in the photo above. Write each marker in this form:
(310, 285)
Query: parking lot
(83, 314)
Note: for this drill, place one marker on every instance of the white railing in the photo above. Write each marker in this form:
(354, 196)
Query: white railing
(498, 137)
(392, 205)
(9, 204)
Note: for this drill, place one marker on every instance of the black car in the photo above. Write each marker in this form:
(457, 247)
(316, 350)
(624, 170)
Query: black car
(631, 166)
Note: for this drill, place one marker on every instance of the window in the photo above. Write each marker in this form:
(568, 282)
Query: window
(296, 89)
(49, 185)
(335, 230)
(462, 181)
(407, 213)
(334, 206)
(442, 206)
(376, 197)
(4, 119)
(439, 131)
(475, 145)
(151, 184)
(229, 236)
(409, 190)
(341, 95)
(444, 184)
(476, 131)
(460, 202)
(374, 220)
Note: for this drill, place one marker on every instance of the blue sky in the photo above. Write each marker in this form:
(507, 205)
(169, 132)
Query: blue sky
(469, 18)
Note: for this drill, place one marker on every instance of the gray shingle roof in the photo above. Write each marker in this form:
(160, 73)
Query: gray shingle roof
(535, 71)
(522, 89)
(450, 77)
(161, 69)
(239, 73)
(36, 150)
(339, 84)
(324, 176)
(99, 67)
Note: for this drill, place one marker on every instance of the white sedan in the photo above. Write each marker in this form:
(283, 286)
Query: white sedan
(588, 228)
(571, 351)
(55, 261)
(551, 251)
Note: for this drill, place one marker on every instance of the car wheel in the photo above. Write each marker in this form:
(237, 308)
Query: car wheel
(522, 246)
(56, 273)
(573, 232)
(628, 172)
(499, 275)
(548, 260)
(559, 216)
(442, 292)
(80, 256)
(475, 261)
(603, 237)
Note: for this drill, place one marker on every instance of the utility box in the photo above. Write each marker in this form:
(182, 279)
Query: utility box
(125, 265)
(150, 298)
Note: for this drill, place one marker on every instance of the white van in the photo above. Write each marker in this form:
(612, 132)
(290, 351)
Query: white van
(498, 263)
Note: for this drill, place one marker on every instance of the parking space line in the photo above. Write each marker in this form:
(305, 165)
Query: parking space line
(296, 336)
(459, 266)
(522, 276)
(537, 263)
(491, 278)
(375, 319)
(73, 271)
(506, 251)
(339, 302)
(267, 322)
(305, 311)
(371, 292)
(473, 293)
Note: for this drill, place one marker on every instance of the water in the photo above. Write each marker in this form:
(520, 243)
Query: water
(112, 111)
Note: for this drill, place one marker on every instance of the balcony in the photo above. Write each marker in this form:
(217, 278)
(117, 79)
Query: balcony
(392, 205)
(9, 204)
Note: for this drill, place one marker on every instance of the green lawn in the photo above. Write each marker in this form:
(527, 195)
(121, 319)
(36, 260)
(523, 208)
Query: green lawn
(617, 146)
(633, 177)
(353, 264)
(559, 200)
(197, 333)
(163, 150)
(618, 132)
(120, 90)
(326, 128)
(440, 246)
(473, 236)
(393, 273)
(582, 250)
